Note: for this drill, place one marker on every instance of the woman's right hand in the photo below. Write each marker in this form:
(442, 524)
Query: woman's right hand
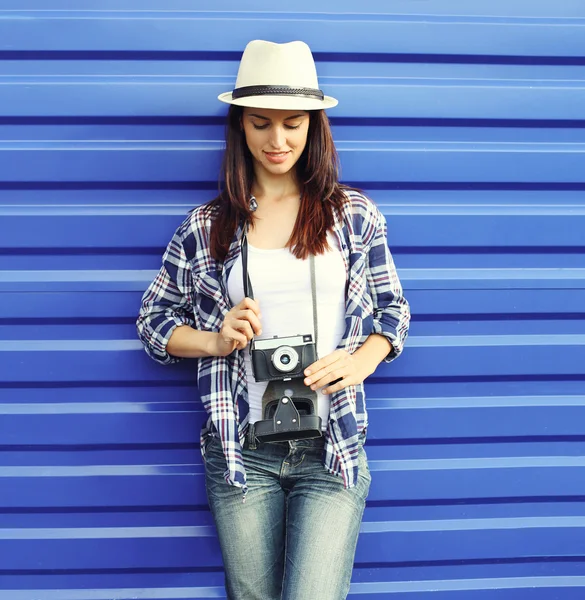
(239, 326)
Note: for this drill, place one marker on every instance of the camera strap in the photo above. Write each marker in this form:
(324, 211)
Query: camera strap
(289, 408)
(249, 291)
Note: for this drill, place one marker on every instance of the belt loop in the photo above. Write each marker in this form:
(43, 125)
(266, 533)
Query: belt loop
(251, 437)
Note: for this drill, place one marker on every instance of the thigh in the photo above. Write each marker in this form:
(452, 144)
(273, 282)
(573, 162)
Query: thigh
(323, 525)
(251, 534)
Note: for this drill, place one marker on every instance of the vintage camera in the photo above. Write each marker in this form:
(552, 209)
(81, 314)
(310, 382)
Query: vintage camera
(289, 407)
(289, 412)
(281, 358)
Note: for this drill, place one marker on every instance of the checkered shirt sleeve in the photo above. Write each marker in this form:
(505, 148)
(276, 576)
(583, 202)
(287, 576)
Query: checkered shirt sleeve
(166, 304)
(391, 309)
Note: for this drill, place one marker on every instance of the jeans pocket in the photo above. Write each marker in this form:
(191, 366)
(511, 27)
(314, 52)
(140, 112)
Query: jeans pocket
(209, 445)
(363, 466)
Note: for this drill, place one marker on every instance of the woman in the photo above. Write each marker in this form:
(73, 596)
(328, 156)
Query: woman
(287, 512)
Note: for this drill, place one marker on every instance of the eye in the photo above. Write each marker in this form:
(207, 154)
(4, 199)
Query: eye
(292, 126)
(259, 126)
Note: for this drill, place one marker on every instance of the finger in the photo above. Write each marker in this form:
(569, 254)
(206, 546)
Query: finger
(229, 335)
(319, 377)
(250, 304)
(329, 378)
(241, 345)
(243, 326)
(324, 362)
(337, 385)
(226, 346)
(250, 316)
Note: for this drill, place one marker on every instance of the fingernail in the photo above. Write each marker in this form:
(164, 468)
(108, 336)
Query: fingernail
(307, 372)
(260, 332)
(307, 382)
(313, 387)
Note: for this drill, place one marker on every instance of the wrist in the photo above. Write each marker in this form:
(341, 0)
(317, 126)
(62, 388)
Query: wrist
(216, 346)
(212, 345)
(364, 363)
(371, 353)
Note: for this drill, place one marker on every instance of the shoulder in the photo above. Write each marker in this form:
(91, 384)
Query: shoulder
(193, 233)
(360, 205)
(362, 214)
(197, 220)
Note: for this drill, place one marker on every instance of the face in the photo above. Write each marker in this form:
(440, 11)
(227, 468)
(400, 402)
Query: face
(276, 138)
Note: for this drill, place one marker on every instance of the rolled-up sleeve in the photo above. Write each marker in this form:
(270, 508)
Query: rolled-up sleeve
(166, 304)
(391, 309)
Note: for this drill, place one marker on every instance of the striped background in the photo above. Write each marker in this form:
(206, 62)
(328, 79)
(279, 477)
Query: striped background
(465, 121)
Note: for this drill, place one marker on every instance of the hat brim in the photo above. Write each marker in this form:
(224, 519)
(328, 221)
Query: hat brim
(280, 102)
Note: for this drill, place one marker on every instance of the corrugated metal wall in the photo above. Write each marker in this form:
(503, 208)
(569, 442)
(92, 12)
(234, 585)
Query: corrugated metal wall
(464, 120)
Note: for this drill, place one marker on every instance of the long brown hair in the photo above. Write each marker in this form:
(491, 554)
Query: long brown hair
(317, 173)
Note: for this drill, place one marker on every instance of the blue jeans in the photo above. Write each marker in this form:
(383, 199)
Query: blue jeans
(295, 536)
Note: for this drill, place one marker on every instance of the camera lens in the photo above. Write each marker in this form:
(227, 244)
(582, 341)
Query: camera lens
(285, 359)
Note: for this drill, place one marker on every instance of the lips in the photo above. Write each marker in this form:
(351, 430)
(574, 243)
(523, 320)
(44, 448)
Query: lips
(276, 157)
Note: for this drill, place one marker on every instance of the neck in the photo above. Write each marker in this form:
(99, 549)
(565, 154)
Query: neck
(276, 187)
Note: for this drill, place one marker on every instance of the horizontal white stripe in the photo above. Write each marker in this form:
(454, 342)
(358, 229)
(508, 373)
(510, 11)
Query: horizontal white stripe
(473, 402)
(413, 342)
(414, 209)
(104, 210)
(474, 524)
(82, 408)
(70, 345)
(419, 209)
(448, 464)
(101, 471)
(96, 533)
(422, 341)
(413, 274)
(490, 274)
(174, 145)
(440, 464)
(356, 588)
(367, 527)
(453, 585)
(71, 408)
(78, 276)
(115, 593)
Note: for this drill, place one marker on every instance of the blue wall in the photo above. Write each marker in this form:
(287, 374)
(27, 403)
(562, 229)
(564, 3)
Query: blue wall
(465, 121)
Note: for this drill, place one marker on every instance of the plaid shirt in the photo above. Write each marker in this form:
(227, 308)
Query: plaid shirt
(191, 289)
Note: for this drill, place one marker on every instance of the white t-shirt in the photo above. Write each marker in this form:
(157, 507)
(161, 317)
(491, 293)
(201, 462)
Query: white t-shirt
(282, 287)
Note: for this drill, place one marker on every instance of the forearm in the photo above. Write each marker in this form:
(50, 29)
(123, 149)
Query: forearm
(372, 352)
(186, 342)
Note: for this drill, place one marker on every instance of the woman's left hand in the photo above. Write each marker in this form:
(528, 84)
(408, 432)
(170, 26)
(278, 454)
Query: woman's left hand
(337, 371)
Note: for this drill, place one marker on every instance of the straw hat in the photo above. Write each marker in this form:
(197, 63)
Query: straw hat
(278, 76)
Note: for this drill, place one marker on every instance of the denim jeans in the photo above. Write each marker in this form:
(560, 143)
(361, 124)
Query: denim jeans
(295, 536)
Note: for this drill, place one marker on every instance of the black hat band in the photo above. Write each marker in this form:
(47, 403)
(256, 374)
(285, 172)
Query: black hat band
(276, 90)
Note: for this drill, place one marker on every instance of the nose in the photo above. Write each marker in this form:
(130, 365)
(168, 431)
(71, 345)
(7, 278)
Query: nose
(277, 137)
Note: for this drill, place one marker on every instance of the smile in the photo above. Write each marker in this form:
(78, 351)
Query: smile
(276, 157)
